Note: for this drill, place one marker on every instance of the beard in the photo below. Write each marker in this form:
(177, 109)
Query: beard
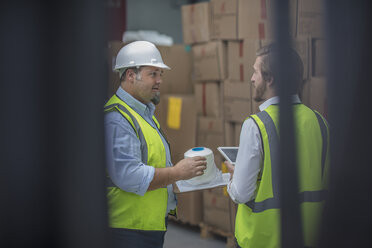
(259, 92)
(156, 99)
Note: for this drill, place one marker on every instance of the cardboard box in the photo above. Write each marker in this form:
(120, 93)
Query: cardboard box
(210, 124)
(315, 94)
(177, 80)
(310, 18)
(225, 16)
(229, 133)
(178, 121)
(217, 201)
(237, 89)
(209, 61)
(237, 100)
(237, 130)
(190, 207)
(237, 110)
(238, 19)
(210, 140)
(319, 58)
(208, 97)
(113, 76)
(211, 134)
(196, 22)
(232, 133)
(241, 56)
(219, 210)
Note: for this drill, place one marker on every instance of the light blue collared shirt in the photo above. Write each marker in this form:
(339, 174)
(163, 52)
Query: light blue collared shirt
(123, 150)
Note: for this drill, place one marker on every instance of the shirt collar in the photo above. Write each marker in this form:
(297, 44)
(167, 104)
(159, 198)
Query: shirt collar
(275, 100)
(136, 105)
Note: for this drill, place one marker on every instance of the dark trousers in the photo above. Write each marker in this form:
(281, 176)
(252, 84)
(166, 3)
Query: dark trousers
(126, 238)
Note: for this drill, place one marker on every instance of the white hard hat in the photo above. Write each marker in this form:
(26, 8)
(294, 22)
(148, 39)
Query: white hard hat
(139, 53)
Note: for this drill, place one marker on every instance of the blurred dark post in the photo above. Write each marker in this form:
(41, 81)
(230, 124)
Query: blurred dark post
(348, 216)
(117, 22)
(52, 90)
(291, 228)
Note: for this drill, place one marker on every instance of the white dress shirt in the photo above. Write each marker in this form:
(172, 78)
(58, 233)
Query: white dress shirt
(249, 161)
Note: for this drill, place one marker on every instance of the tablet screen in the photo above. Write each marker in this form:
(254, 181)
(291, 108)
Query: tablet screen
(229, 153)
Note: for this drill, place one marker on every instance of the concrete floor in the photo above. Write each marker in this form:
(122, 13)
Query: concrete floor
(185, 236)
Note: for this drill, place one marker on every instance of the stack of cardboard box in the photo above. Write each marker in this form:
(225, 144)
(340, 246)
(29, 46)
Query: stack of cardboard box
(209, 73)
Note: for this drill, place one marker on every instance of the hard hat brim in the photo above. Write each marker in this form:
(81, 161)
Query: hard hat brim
(159, 65)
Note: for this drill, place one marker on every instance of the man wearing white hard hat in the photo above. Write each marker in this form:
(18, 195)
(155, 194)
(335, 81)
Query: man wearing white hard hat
(139, 167)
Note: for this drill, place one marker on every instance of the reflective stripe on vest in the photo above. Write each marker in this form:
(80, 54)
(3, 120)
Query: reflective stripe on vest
(136, 128)
(273, 140)
(323, 130)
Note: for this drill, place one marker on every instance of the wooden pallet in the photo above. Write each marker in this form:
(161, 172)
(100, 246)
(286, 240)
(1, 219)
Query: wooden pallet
(207, 231)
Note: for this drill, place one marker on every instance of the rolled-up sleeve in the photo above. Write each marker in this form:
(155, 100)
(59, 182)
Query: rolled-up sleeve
(248, 164)
(123, 156)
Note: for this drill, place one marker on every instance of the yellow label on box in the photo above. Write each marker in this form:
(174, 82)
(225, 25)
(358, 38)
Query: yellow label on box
(174, 112)
(224, 170)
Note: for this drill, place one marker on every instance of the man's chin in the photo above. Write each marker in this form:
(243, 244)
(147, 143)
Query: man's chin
(156, 99)
(257, 99)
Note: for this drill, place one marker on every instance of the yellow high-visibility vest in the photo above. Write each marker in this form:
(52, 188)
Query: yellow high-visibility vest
(129, 210)
(258, 221)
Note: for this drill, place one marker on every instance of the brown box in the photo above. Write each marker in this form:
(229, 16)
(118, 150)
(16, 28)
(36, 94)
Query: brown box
(310, 18)
(190, 207)
(219, 211)
(225, 14)
(315, 94)
(238, 19)
(232, 133)
(237, 89)
(196, 22)
(178, 120)
(208, 97)
(211, 134)
(113, 80)
(237, 110)
(209, 61)
(237, 100)
(319, 58)
(241, 55)
(229, 133)
(178, 79)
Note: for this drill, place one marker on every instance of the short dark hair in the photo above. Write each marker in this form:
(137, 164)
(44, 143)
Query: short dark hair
(269, 65)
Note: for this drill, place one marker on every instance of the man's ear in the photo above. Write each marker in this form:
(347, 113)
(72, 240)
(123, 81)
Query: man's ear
(270, 82)
(130, 75)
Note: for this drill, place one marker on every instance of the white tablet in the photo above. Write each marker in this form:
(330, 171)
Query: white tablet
(229, 153)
